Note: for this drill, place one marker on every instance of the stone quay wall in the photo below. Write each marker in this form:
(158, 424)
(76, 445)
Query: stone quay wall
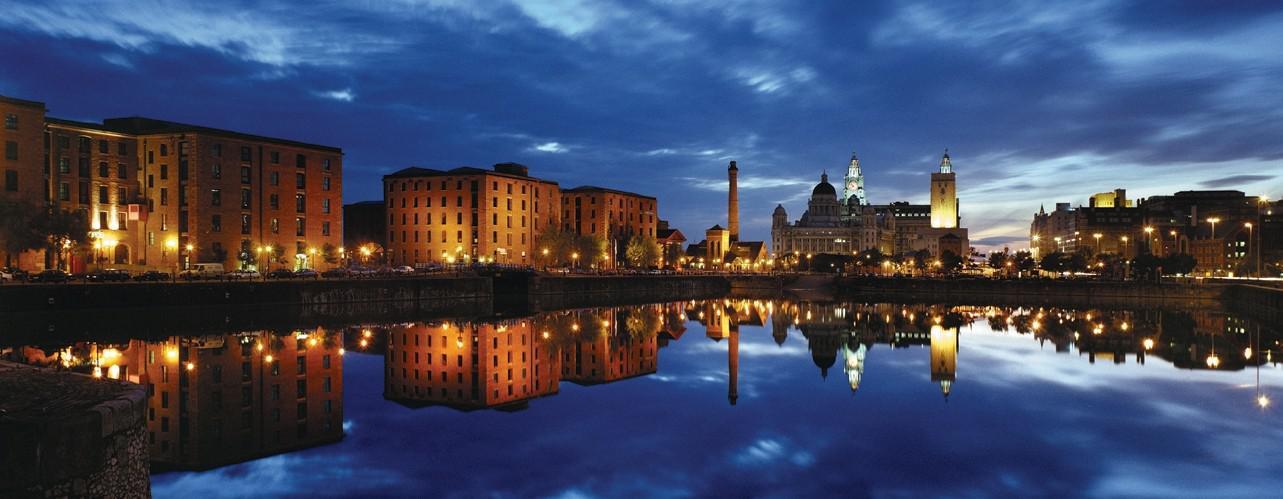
(70, 435)
(427, 290)
(1030, 292)
(561, 292)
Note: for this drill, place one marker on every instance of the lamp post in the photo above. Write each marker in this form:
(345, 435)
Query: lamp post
(1126, 262)
(1035, 246)
(1149, 238)
(1097, 236)
(1059, 248)
(1175, 243)
(1213, 221)
(188, 257)
(575, 258)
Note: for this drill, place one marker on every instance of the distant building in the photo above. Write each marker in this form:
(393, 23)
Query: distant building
(364, 223)
(721, 247)
(670, 242)
(850, 225)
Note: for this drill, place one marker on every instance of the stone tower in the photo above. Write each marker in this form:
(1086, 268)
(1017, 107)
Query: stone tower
(733, 203)
(944, 197)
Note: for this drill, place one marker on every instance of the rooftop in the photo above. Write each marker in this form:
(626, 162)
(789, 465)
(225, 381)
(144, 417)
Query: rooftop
(593, 188)
(22, 102)
(139, 125)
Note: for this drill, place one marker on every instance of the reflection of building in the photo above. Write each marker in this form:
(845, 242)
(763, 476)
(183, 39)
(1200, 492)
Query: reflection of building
(849, 224)
(217, 400)
(469, 366)
(944, 357)
(612, 345)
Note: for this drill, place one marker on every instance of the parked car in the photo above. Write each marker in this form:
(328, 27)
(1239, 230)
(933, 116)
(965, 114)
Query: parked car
(335, 273)
(306, 274)
(362, 272)
(107, 275)
(51, 275)
(204, 271)
(280, 274)
(403, 270)
(8, 275)
(152, 276)
(244, 274)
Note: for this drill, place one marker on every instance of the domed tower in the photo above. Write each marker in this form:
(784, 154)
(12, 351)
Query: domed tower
(823, 210)
(779, 217)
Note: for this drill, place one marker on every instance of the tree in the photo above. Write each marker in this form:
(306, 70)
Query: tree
(921, 258)
(871, 257)
(19, 229)
(950, 261)
(329, 253)
(999, 259)
(591, 248)
(1180, 263)
(1146, 266)
(553, 246)
(1053, 262)
(62, 229)
(1024, 261)
(642, 251)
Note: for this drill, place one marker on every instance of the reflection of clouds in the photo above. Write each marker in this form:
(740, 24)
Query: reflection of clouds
(768, 451)
(274, 476)
(748, 349)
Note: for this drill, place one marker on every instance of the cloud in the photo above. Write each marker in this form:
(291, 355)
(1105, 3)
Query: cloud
(550, 147)
(745, 183)
(1234, 180)
(344, 95)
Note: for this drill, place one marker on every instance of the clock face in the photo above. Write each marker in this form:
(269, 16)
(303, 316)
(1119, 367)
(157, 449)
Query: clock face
(850, 185)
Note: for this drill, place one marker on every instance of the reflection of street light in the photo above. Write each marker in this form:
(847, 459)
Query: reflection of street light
(1249, 242)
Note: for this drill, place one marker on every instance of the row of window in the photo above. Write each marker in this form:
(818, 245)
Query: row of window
(300, 225)
(445, 184)
(458, 237)
(85, 145)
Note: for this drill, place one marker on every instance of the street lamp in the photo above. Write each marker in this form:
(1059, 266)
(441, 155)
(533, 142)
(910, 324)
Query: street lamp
(1213, 221)
(1175, 243)
(575, 257)
(1149, 238)
(1097, 236)
(1059, 248)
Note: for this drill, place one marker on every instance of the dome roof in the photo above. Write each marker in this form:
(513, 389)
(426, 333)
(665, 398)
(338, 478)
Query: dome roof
(824, 187)
(779, 210)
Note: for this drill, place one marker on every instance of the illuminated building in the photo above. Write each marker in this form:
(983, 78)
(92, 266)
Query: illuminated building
(150, 188)
(721, 247)
(465, 214)
(849, 225)
(469, 366)
(612, 345)
(614, 216)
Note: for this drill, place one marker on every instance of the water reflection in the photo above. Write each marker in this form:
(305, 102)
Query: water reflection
(221, 399)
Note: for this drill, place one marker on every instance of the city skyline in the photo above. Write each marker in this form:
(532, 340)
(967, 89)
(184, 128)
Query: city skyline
(657, 98)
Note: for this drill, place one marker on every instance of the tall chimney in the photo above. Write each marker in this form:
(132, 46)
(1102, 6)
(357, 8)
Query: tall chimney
(733, 203)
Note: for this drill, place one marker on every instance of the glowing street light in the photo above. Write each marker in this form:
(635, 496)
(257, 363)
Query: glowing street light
(1214, 221)
(1097, 236)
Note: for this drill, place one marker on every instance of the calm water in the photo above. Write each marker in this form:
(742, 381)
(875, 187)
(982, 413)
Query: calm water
(716, 398)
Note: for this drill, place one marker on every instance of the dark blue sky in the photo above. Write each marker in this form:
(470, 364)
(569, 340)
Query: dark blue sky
(1036, 102)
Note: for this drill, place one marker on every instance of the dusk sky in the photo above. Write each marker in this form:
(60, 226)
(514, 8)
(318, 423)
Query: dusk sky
(1036, 102)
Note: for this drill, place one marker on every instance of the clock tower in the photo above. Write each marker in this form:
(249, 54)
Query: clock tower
(854, 185)
(944, 198)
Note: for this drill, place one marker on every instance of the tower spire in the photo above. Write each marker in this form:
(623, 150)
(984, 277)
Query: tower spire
(853, 184)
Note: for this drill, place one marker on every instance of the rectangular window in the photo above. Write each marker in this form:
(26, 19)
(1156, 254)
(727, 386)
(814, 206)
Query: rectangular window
(102, 195)
(102, 220)
(164, 172)
(103, 169)
(325, 163)
(300, 161)
(245, 175)
(274, 201)
(274, 157)
(245, 199)
(64, 192)
(300, 181)
(245, 224)
(300, 227)
(215, 197)
(121, 196)
(246, 154)
(216, 170)
(10, 180)
(216, 223)
(104, 147)
(216, 150)
(82, 167)
(325, 207)
(325, 183)
(64, 167)
(122, 171)
(325, 229)
(164, 196)
(300, 203)
(122, 148)
(276, 226)
(11, 121)
(10, 150)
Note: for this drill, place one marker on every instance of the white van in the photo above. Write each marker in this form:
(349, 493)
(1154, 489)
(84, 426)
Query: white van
(204, 271)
